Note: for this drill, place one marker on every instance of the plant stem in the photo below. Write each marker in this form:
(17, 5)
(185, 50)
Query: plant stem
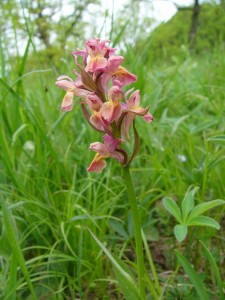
(137, 231)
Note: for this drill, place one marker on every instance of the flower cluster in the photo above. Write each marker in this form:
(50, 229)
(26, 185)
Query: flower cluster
(105, 106)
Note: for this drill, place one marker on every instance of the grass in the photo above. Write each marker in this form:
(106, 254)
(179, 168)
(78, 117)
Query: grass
(50, 198)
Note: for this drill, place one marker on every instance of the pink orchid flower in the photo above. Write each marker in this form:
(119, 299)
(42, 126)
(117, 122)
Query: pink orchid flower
(111, 110)
(95, 104)
(116, 72)
(108, 149)
(71, 90)
(96, 59)
(132, 108)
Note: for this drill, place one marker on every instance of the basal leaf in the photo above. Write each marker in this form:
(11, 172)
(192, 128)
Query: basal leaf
(172, 208)
(201, 208)
(188, 203)
(180, 232)
(204, 221)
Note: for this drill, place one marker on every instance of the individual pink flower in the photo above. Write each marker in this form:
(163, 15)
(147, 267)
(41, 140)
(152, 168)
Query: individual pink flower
(132, 108)
(111, 110)
(71, 89)
(95, 104)
(95, 59)
(116, 72)
(108, 149)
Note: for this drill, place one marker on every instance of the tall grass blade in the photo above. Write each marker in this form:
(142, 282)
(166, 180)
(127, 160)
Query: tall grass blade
(125, 281)
(193, 276)
(215, 269)
(17, 252)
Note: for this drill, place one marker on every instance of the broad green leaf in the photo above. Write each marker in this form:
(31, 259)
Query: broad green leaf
(188, 203)
(193, 276)
(204, 221)
(125, 280)
(201, 208)
(172, 208)
(180, 232)
(118, 228)
(215, 269)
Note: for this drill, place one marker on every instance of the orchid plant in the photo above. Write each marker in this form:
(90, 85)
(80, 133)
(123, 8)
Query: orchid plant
(99, 84)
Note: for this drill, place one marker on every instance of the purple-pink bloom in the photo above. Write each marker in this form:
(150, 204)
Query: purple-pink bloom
(71, 90)
(108, 149)
(132, 108)
(116, 72)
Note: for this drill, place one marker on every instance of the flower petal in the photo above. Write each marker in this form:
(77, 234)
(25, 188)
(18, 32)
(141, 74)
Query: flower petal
(110, 142)
(65, 84)
(117, 155)
(124, 76)
(128, 120)
(107, 111)
(100, 148)
(97, 122)
(97, 165)
(105, 78)
(96, 63)
(134, 99)
(148, 118)
(113, 63)
(67, 104)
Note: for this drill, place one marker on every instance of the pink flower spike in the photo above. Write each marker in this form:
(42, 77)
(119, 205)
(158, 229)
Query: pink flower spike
(67, 104)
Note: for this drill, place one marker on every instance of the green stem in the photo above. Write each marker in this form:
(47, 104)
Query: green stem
(137, 231)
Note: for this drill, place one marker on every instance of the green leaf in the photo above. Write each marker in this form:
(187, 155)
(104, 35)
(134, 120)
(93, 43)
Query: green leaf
(215, 269)
(193, 276)
(118, 228)
(171, 206)
(129, 290)
(188, 203)
(125, 280)
(201, 208)
(204, 221)
(180, 232)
